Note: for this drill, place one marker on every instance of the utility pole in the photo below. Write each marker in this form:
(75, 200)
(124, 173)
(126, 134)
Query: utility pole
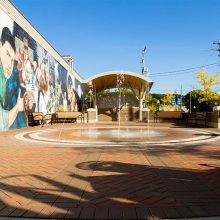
(144, 70)
(218, 43)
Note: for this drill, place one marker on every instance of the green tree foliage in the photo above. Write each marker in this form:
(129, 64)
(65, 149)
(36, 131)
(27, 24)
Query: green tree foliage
(153, 103)
(168, 98)
(206, 95)
(204, 99)
(195, 104)
(167, 101)
(164, 100)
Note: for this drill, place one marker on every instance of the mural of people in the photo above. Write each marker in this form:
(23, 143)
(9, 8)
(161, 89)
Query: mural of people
(78, 94)
(31, 80)
(51, 104)
(29, 101)
(24, 65)
(71, 94)
(7, 58)
(43, 88)
(64, 102)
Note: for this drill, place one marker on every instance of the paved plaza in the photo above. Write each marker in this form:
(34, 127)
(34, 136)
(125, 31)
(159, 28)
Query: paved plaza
(54, 172)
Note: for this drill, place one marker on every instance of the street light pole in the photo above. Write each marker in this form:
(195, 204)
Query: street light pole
(142, 60)
(144, 70)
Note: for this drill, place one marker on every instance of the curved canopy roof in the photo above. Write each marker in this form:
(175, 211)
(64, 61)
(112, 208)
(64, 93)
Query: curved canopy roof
(107, 80)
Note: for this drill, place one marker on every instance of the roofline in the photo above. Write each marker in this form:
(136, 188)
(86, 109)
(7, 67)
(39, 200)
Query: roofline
(115, 72)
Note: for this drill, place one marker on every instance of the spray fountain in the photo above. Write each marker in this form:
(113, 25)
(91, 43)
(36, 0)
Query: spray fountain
(120, 81)
(118, 133)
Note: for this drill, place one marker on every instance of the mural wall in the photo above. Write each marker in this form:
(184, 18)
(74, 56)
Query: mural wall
(31, 80)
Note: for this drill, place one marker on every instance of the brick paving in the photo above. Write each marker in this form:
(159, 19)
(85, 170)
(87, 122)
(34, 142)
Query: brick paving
(38, 180)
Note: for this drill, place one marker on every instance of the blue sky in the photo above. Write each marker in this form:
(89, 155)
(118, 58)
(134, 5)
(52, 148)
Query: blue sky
(104, 35)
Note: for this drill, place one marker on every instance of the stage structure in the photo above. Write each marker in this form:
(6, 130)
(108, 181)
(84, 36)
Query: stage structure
(138, 87)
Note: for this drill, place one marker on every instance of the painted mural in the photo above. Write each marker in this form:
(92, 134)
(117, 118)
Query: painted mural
(78, 93)
(31, 80)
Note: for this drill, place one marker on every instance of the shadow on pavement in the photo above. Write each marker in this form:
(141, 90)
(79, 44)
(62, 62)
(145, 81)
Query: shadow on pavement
(116, 190)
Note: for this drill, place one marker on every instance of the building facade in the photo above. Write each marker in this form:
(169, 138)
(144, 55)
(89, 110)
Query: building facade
(34, 77)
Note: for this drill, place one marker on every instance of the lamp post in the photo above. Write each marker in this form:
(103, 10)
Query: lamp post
(158, 105)
(190, 102)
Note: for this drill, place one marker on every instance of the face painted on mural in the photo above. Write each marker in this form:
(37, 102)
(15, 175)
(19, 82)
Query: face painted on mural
(7, 56)
(42, 79)
(24, 64)
(28, 101)
(27, 70)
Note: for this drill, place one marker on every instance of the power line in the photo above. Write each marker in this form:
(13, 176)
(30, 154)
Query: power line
(182, 71)
(217, 43)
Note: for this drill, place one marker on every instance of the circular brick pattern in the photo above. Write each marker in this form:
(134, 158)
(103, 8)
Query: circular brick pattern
(114, 136)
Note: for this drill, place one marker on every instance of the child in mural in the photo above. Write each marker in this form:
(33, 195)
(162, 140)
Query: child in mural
(28, 101)
(43, 87)
(7, 58)
(26, 68)
(27, 79)
(24, 65)
(71, 97)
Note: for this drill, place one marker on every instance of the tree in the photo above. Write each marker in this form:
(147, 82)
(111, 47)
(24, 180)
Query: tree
(207, 81)
(204, 99)
(167, 101)
(206, 95)
(168, 98)
(195, 104)
(153, 103)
